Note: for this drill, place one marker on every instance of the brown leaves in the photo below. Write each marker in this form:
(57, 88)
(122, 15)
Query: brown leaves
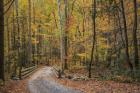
(98, 86)
(15, 87)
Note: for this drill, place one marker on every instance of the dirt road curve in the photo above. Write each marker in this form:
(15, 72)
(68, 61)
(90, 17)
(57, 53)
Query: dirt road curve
(42, 82)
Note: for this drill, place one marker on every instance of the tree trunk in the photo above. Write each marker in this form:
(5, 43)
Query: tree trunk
(2, 39)
(8, 44)
(135, 43)
(126, 36)
(19, 44)
(66, 35)
(34, 34)
(61, 34)
(94, 35)
(29, 33)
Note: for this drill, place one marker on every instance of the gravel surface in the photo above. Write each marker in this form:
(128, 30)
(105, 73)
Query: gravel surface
(42, 82)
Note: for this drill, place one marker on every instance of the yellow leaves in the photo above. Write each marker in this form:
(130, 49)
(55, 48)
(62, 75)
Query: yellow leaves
(82, 55)
(102, 39)
(40, 34)
(45, 25)
(34, 41)
(48, 36)
(40, 15)
(103, 24)
(139, 11)
(102, 43)
(105, 46)
(23, 4)
(84, 3)
(34, 27)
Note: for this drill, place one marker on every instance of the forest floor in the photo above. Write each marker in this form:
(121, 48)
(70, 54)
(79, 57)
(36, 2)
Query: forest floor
(15, 86)
(44, 81)
(97, 86)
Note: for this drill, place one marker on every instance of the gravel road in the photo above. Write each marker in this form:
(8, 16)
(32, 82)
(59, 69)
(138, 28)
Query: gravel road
(42, 82)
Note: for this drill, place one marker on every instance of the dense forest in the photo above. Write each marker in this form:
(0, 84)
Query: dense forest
(80, 39)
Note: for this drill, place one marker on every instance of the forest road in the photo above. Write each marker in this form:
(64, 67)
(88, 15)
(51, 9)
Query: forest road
(42, 82)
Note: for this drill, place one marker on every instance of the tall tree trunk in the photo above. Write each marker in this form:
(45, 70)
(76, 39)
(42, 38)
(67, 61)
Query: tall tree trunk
(135, 43)
(8, 44)
(94, 35)
(34, 34)
(19, 44)
(2, 39)
(66, 35)
(126, 36)
(61, 34)
(30, 35)
(120, 28)
(14, 39)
